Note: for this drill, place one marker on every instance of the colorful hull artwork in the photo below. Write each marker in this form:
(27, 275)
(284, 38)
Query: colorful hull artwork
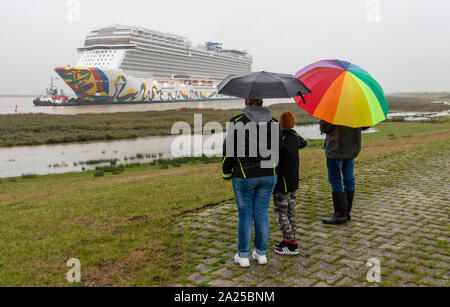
(93, 85)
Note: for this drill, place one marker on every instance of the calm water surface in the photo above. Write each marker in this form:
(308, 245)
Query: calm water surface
(63, 158)
(25, 105)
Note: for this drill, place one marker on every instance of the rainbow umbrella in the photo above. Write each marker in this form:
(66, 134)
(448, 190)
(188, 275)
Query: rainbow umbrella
(342, 94)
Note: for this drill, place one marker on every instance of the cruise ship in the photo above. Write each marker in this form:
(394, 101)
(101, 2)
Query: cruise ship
(129, 64)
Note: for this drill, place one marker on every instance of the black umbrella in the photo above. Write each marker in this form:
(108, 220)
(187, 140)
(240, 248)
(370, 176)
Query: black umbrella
(258, 85)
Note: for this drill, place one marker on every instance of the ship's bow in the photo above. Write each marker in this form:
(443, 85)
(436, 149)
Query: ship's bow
(89, 84)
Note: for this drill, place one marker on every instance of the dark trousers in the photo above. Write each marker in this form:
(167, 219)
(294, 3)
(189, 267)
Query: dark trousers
(340, 175)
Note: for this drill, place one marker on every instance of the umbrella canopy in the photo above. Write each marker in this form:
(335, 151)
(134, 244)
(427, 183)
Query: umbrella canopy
(342, 94)
(262, 84)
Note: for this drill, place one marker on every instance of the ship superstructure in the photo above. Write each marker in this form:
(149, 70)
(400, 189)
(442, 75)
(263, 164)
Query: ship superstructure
(134, 64)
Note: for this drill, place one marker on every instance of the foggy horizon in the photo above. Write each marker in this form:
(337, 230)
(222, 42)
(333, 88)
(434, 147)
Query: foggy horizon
(403, 44)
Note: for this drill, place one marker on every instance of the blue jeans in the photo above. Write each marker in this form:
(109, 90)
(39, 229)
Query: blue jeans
(253, 200)
(335, 169)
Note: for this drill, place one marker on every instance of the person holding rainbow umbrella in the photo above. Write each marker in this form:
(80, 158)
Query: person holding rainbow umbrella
(347, 100)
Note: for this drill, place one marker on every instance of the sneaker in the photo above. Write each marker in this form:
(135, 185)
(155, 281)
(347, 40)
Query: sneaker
(259, 258)
(283, 241)
(243, 262)
(287, 248)
(278, 244)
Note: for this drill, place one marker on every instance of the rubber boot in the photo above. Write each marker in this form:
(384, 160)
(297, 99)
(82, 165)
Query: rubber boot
(350, 196)
(340, 211)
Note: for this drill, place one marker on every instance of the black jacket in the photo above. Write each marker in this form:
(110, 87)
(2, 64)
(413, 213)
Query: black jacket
(288, 168)
(249, 166)
(341, 143)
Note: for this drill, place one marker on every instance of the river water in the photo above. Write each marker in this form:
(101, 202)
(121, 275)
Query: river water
(63, 158)
(25, 105)
(418, 116)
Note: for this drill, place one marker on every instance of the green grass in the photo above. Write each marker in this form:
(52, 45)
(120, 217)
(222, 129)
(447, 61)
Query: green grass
(123, 227)
(54, 218)
(28, 176)
(397, 130)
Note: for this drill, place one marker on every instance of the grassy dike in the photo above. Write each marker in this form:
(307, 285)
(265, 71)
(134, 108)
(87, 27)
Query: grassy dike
(124, 228)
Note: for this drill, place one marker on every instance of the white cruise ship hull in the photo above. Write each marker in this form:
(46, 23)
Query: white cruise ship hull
(128, 64)
(102, 86)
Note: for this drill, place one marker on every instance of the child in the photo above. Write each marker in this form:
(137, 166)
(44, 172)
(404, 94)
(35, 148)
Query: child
(284, 197)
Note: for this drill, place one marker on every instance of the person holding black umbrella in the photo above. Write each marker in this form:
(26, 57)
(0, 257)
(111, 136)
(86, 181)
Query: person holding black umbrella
(250, 155)
(253, 183)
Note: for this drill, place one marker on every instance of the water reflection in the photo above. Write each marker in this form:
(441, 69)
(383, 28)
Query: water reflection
(418, 116)
(25, 105)
(63, 158)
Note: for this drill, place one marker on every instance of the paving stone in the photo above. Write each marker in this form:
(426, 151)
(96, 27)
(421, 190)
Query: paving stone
(220, 283)
(246, 278)
(390, 246)
(353, 273)
(224, 272)
(404, 227)
(197, 278)
(213, 251)
(275, 273)
(320, 234)
(435, 282)
(325, 257)
(202, 268)
(270, 282)
(326, 267)
(353, 264)
(321, 284)
(405, 276)
(325, 277)
(300, 281)
(346, 281)
(209, 260)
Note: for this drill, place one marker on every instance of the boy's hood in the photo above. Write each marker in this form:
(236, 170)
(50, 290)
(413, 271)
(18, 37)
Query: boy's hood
(258, 114)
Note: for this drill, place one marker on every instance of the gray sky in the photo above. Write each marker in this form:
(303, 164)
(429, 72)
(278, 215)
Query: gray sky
(406, 49)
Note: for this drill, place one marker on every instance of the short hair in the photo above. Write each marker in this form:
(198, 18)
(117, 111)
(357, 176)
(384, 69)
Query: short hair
(254, 102)
(287, 120)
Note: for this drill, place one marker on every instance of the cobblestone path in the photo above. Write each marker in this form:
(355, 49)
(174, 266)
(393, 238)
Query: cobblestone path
(401, 217)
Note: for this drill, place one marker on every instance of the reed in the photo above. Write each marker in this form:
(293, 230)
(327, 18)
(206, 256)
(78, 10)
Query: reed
(99, 173)
(29, 176)
(35, 129)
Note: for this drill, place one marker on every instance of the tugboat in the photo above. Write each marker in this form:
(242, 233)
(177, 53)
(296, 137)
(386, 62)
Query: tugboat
(54, 97)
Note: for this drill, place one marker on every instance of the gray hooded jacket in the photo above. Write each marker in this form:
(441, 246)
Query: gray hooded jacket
(250, 166)
(341, 143)
(258, 114)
